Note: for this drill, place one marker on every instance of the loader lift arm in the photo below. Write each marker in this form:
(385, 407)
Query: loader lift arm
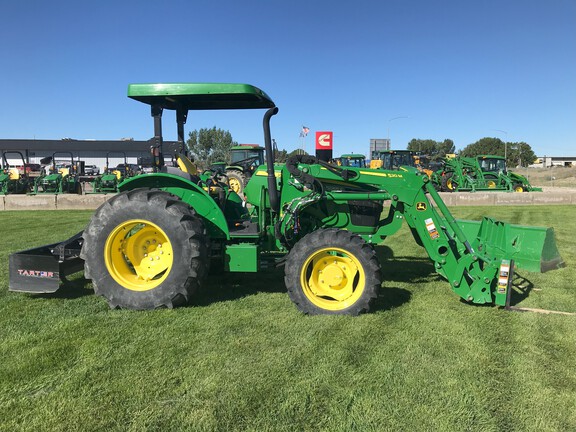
(476, 258)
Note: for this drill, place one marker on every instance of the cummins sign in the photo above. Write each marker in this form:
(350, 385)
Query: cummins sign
(324, 145)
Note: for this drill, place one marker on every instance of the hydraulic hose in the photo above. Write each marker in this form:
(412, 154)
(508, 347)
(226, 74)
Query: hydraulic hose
(292, 167)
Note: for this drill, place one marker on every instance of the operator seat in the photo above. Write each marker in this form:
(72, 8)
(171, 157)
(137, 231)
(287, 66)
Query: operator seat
(186, 165)
(188, 170)
(14, 174)
(178, 172)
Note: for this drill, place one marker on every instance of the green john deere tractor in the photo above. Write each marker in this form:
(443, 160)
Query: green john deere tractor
(392, 160)
(109, 180)
(351, 160)
(151, 245)
(396, 160)
(244, 159)
(62, 177)
(480, 173)
(12, 179)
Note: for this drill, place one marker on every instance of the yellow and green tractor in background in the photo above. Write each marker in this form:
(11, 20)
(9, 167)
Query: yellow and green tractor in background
(14, 180)
(109, 180)
(480, 173)
(244, 159)
(351, 160)
(60, 176)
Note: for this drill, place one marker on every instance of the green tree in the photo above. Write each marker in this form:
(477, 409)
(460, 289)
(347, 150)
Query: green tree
(296, 152)
(445, 147)
(486, 146)
(518, 153)
(210, 145)
(434, 149)
(280, 156)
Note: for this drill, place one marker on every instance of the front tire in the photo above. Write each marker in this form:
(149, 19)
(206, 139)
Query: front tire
(145, 249)
(491, 181)
(331, 271)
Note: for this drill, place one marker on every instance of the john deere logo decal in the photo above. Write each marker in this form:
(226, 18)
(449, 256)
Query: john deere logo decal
(421, 206)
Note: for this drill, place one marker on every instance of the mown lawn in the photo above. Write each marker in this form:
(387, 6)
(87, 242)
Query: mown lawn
(244, 359)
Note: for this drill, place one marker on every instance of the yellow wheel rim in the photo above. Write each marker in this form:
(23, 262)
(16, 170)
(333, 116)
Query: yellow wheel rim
(449, 184)
(138, 255)
(234, 184)
(332, 279)
(519, 189)
(491, 184)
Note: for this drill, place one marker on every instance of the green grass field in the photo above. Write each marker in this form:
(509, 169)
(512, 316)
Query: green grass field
(242, 358)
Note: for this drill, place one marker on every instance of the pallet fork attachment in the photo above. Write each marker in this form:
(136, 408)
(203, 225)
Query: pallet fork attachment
(40, 270)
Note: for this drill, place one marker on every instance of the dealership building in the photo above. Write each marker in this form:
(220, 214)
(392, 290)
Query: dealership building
(91, 152)
(553, 161)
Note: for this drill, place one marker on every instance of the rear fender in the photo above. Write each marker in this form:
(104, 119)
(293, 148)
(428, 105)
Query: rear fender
(517, 178)
(192, 194)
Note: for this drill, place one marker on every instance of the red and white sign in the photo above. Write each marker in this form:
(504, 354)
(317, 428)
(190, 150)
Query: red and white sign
(324, 140)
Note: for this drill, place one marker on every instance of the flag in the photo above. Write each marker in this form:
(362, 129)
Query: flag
(304, 131)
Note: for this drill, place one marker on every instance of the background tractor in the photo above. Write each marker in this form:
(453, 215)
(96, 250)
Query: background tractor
(244, 159)
(425, 164)
(152, 244)
(351, 160)
(12, 179)
(111, 177)
(392, 159)
(483, 172)
(61, 177)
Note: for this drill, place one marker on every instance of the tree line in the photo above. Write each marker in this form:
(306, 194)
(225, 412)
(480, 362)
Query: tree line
(209, 145)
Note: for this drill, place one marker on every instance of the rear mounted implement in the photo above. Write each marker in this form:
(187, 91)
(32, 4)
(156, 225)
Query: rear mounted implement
(40, 270)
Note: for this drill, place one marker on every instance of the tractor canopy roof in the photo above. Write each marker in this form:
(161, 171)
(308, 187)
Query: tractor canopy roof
(490, 157)
(393, 151)
(353, 156)
(247, 147)
(200, 96)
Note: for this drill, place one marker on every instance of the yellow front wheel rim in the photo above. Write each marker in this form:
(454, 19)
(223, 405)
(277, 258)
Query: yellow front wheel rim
(491, 184)
(234, 184)
(138, 255)
(332, 279)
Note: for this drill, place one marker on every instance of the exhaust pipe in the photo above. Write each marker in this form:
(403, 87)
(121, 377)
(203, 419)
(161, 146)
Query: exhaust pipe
(272, 189)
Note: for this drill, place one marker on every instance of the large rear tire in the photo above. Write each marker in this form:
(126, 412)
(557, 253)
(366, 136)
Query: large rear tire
(332, 271)
(448, 183)
(145, 249)
(236, 180)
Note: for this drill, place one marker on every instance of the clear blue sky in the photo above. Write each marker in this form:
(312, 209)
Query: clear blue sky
(453, 69)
